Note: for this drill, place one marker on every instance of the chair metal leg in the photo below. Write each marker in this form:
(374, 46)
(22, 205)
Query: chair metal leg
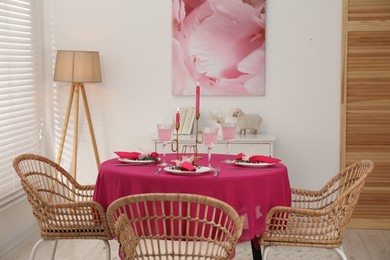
(262, 247)
(264, 250)
(256, 252)
(38, 244)
(53, 252)
(108, 249)
(340, 252)
(34, 249)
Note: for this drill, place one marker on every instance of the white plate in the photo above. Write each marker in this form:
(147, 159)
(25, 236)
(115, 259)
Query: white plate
(137, 162)
(198, 171)
(255, 165)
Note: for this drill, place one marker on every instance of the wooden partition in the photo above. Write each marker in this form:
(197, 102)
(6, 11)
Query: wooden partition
(365, 106)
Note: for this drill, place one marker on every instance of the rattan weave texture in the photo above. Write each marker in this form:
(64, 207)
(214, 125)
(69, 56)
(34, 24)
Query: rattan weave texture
(174, 226)
(318, 218)
(62, 207)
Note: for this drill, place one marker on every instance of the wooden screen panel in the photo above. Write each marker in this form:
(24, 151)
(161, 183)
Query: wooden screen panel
(366, 104)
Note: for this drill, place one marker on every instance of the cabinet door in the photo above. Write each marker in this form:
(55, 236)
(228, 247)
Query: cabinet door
(365, 128)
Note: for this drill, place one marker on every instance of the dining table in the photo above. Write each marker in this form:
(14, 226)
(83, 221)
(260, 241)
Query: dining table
(250, 189)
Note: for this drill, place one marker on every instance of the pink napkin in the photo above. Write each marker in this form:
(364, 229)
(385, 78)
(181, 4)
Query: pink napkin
(186, 166)
(261, 158)
(154, 155)
(128, 155)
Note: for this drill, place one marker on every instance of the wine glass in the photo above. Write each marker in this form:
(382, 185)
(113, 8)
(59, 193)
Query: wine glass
(164, 136)
(209, 136)
(228, 133)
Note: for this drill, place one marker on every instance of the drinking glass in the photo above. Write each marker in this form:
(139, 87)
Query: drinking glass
(164, 136)
(209, 136)
(228, 133)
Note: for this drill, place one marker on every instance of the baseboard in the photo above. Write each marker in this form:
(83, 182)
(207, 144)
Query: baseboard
(5, 246)
(369, 223)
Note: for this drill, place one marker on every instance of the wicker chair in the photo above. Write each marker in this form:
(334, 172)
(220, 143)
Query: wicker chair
(63, 208)
(317, 218)
(174, 226)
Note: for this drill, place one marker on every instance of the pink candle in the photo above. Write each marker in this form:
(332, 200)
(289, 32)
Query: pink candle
(177, 117)
(197, 99)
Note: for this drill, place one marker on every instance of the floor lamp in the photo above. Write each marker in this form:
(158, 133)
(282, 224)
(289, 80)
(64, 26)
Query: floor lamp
(77, 67)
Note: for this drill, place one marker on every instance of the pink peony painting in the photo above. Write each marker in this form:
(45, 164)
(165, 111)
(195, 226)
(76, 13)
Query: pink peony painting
(220, 44)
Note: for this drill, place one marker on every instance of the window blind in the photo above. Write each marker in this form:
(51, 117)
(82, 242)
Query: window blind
(20, 114)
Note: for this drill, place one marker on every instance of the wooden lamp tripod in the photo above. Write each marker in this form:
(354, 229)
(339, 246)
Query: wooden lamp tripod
(77, 67)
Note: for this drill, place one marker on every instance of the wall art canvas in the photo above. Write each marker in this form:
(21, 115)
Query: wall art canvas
(220, 44)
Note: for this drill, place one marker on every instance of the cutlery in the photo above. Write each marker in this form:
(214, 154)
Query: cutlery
(158, 171)
(249, 169)
(216, 171)
(135, 164)
(130, 164)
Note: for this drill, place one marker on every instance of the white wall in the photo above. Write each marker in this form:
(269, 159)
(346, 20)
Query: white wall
(303, 76)
(301, 105)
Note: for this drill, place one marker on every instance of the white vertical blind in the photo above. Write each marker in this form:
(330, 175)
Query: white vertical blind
(20, 114)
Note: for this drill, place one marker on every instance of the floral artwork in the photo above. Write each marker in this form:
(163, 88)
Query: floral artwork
(220, 44)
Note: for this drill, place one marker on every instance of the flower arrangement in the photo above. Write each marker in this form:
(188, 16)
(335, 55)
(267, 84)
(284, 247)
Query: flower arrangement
(153, 156)
(185, 164)
(243, 157)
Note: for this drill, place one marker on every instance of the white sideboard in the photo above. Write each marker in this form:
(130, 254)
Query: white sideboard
(261, 144)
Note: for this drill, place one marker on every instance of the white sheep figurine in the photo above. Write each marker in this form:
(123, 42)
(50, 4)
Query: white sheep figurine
(247, 121)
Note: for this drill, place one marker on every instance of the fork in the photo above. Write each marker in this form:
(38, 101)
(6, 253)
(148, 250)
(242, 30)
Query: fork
(216, 171)
(158, 171)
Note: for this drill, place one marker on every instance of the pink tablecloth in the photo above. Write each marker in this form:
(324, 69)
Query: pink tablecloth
(251, 191)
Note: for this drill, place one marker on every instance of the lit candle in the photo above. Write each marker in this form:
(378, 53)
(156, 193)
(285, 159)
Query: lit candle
(197, 99)
(177, 117)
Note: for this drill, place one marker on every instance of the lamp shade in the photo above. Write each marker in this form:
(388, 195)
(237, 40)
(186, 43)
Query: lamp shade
(77, 66)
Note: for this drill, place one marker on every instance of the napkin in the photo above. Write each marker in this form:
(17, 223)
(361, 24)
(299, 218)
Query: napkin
(261, 158)
(128, 155)
(257, 158)
(186, 166)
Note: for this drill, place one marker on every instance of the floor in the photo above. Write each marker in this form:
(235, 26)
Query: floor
(358, 244)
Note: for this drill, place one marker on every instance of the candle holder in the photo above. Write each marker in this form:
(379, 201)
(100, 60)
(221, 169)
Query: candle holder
(197, 116)
(175, 142)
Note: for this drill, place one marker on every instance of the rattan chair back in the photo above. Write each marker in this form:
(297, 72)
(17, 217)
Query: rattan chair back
(62, 207)
(174, 226)
(318, 218)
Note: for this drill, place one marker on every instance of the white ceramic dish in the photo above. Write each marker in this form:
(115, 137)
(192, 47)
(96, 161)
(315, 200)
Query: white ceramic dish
(137, 162)
(253, 165)
(198, 171)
